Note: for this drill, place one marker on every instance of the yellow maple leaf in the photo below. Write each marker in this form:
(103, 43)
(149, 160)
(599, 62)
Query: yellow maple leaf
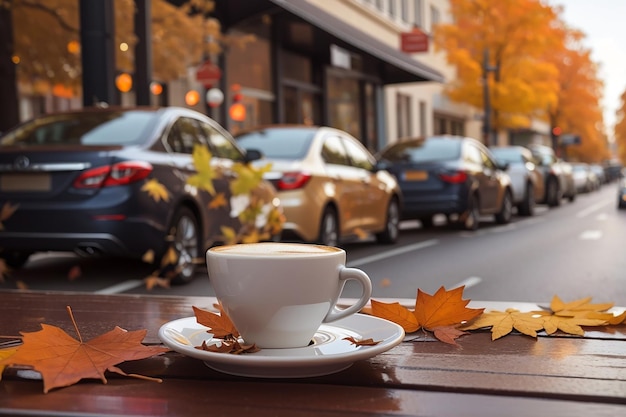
(156, 190)
(148, 257)
(170, 257)
(503, 322)
(205, 172)
(570, 325)
(156, 281)
(230, 236)
(396, 313)
(248, 178)
(583, 304)
(615, 320)
(218, 201)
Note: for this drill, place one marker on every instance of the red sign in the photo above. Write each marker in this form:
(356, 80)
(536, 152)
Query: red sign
(414, 41)
(208, 74)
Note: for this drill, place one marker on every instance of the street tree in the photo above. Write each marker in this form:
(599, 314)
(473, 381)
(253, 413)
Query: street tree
(620, 129)
(514, 35)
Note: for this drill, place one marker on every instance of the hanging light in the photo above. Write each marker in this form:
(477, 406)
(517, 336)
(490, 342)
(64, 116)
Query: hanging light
(192, 97)
(156, 88)
(124, 82)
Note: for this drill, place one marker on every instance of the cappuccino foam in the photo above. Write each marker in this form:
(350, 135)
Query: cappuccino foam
(274, 249)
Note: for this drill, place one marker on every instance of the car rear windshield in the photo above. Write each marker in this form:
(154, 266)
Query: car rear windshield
(91, 129)
(424, 151)
(278, 143)
(508, 155)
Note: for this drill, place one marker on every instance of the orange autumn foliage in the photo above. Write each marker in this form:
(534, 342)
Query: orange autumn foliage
(62, 360)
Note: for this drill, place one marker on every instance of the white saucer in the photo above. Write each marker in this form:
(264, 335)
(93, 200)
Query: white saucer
(328, 353)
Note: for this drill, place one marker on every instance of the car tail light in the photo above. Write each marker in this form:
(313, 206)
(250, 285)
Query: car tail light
(121, 173)
(293, 180)
(457, 177)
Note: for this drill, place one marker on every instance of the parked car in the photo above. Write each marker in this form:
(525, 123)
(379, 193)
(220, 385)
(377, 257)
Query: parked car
(86, 181)
(557, 174)
(451, 175)
(621, 190)
(328, 183)
(584, 178)
(526, 180)
(600, 172)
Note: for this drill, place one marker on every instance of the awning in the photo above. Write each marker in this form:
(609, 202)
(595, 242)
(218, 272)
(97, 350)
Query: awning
(410, 70)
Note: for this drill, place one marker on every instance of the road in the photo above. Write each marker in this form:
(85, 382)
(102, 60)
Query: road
(573, 251)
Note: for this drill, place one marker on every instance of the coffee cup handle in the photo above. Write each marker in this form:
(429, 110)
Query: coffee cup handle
(347, 274)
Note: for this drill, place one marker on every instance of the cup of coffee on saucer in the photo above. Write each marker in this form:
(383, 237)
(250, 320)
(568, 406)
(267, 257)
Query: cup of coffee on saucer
(278, 294)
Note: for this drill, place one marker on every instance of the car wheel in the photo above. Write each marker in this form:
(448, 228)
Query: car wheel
(553, 193)
(187, 245)
(471, 218)
(392, 224)
(329, 228)
(527, 207)
(427, 222)
(506, 210)
(14, 258)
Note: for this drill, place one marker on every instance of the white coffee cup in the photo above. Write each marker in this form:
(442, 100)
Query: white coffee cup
(278, 294)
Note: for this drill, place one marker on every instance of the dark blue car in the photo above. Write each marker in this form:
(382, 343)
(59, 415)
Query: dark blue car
(452, 175)
(92, 181)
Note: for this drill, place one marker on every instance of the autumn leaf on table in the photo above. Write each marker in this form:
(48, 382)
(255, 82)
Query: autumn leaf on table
(156, 190)
(4, 354)
(396, 313)
(440, 313)
(569, 324)
(206, 173)
(220, 324)
(503, 322)
(62, 360)
(581, 308)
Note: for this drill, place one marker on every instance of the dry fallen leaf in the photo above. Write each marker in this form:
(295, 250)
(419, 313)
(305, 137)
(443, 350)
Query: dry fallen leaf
(582, 305)
(503, 322)
(148, 257)
(220, 324)
(396, 313)
(229, 345)
(444, 308)
(155, 281)
(4, 354)
(448, 334)
(7, 211)
(570, 325)
(63, 360)
(364, 342)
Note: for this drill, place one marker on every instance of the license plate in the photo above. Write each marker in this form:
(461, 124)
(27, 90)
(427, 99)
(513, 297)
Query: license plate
(25, 182)
(415, 175)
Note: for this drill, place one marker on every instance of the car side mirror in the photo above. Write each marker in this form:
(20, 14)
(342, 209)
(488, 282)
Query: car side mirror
(253, 155)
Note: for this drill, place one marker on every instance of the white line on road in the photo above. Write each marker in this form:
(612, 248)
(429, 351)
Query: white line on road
(469, 282)
(590, 235)
(592, 208)
(394, 252)
(121, 287)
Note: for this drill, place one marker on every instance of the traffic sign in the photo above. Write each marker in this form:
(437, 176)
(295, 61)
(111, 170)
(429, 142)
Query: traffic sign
(208, 74)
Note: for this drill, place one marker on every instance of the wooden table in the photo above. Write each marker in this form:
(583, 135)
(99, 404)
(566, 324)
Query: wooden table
(514, 376)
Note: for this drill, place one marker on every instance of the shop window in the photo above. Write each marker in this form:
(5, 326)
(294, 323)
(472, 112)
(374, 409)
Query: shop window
(297, 67)
(344, 104)
(418, 19)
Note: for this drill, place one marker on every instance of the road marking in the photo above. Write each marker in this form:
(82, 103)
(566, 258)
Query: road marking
(602, 217)
(590, 235)
(469, 282)
(592, 208)
(392, 253)
(121, 287)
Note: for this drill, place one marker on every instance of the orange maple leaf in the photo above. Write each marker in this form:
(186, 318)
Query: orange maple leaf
(62, 360)
(220, 324)
(397, 313)
(444, 308)
(218, 201)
